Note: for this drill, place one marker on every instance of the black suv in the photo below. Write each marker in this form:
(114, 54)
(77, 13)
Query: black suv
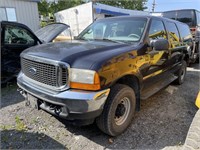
(192, 18)
(103, 75)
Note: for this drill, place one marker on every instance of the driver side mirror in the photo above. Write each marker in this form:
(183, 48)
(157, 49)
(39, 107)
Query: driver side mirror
(159, 44)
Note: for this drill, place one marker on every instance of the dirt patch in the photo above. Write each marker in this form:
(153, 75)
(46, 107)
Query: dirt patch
(163, 121)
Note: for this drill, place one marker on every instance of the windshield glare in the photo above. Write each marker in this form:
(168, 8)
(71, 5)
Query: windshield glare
(115, 30)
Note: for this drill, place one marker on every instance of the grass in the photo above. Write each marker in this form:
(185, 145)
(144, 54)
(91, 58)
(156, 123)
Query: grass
(20, 126)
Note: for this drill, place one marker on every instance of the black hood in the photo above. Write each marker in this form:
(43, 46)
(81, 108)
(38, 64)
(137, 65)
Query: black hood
(79, 54)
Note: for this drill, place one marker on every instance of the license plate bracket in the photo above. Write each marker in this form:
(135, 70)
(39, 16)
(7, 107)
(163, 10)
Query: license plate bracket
(32, 101)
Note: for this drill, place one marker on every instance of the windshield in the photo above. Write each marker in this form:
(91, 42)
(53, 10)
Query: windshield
(115, 30)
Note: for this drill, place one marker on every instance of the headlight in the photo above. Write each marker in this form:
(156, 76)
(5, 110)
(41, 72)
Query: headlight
(84, 79)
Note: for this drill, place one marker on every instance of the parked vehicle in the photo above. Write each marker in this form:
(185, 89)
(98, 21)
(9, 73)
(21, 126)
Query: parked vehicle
(15, 38)
(103, 75)
(192, 18)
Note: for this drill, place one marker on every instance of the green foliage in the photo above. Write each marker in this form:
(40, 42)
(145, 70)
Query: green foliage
(127, 4)
(50, 8)
(20, 126)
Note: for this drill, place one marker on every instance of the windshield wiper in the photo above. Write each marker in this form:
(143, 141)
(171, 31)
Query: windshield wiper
(82, 38)
(105, 39)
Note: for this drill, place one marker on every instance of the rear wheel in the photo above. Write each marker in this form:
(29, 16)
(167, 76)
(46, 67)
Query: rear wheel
(181, 73)
(118, 110)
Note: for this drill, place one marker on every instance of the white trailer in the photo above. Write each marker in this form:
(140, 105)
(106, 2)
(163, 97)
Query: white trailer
(79, 17)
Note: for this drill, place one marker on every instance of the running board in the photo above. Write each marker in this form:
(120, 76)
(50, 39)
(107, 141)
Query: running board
(157, 87)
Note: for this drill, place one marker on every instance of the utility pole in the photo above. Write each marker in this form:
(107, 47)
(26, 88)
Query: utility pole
(153, 5)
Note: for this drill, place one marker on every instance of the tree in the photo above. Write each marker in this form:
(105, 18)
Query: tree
(45, 8)
(126, 4)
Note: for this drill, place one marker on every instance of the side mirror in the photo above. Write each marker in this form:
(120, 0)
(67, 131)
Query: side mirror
(159, 44)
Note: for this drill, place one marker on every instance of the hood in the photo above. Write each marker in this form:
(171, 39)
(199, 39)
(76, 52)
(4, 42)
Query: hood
(51, 31)
(79, 54)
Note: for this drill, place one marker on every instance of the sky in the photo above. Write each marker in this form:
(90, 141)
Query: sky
(164, 5)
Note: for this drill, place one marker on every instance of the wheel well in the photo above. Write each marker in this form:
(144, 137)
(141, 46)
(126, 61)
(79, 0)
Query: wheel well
(186, 58)
(133, 82)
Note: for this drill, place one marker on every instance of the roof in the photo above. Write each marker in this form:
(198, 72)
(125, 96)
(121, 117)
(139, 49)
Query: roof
(141, 16)
(180, 10)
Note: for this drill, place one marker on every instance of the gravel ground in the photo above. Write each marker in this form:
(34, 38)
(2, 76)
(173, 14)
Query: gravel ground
(163, 121)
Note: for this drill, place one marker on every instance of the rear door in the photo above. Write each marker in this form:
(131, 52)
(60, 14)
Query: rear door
(176, 45)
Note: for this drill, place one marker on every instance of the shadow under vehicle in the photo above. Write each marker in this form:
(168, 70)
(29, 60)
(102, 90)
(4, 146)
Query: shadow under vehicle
(15, 38)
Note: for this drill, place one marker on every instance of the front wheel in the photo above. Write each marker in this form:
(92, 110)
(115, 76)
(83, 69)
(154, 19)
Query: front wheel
(118, 110)
(181, 73)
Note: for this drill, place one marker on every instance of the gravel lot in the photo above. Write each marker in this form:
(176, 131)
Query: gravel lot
(163, 121)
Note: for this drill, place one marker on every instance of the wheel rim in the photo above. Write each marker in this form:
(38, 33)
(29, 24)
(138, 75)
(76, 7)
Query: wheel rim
(182, 74)
(122, 111)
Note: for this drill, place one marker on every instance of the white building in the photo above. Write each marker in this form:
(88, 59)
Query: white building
(22, 11)
(79, 17)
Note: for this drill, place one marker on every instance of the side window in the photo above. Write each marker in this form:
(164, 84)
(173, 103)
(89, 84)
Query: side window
(157, 30)
(172, 32)
(198, 18)
(18, 36)
(185, 33)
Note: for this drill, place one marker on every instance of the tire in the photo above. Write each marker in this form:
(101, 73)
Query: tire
(181, 73)
(118, 110)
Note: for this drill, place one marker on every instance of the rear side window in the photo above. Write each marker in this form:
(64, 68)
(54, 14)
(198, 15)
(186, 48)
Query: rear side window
(185, 33)
(157, 30)
(198, 18)
(172, 32)
(186, 16)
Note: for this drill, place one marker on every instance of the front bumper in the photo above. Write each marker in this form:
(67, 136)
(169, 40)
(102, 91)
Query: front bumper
(72, 104)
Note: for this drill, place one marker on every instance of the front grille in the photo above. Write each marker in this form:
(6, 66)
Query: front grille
(47, 74)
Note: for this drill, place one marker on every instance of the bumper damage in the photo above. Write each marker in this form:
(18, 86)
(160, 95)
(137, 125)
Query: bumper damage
(69, 104)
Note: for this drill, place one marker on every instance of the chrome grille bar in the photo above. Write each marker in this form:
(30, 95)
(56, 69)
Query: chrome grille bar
(44, 73)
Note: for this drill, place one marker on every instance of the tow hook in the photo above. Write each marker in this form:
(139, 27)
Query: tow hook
(56, 109)
(22, 92)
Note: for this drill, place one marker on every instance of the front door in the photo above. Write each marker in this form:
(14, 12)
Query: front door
(15, 38)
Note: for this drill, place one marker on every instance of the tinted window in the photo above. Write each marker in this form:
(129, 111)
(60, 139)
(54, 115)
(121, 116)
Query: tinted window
(186, 16)
(18, 36)
(123, 30)
(185, 34)
(173, 33)
(198, 18)
(157, 30)
(170, 14)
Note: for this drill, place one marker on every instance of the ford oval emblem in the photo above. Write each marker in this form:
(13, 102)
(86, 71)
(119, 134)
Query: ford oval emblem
(32, 70)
